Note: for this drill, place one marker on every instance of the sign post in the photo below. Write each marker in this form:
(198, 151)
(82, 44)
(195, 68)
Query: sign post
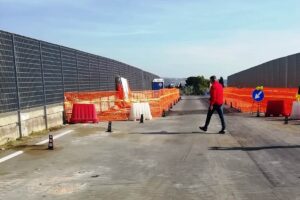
(258, 95)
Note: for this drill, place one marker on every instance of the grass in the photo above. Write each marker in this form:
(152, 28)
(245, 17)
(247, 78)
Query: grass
(26, 139)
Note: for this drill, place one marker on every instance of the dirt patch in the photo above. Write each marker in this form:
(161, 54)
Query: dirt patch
(66, 188)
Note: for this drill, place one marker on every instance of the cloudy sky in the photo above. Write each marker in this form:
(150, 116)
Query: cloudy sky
(171, 38)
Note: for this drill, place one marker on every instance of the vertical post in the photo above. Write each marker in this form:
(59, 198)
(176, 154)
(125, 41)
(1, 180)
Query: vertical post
(63, 85)
(43, 81)
(286, 119)
(258, 110)
(98, 63)
(77, 71)
(62, 70)
(90, 86)
(17, 86)
(286, 71)
(164, 113)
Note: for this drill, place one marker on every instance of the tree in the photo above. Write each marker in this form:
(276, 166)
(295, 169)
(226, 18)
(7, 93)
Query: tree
(198, 84)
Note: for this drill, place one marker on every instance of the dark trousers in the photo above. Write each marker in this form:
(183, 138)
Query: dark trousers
(219, 109)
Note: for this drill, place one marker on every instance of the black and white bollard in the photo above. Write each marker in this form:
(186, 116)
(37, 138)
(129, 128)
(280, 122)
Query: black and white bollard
(286, 120)
(50, 143)
(109, 127)
(164, 113)
(142, 119)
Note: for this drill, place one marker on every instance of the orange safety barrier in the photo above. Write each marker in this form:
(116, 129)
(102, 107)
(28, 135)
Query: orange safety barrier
(241, 98)
(110, 107)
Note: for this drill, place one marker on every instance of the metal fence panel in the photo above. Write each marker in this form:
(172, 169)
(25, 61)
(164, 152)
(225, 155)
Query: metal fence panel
(297, 71)
(292, 72)
(103, 70)
(83, 71)
(112, 72)
(52, 73)
(94, 73)
(8, 94)
(36, 73)
(29, 72)
(282, 72)
(69, 63)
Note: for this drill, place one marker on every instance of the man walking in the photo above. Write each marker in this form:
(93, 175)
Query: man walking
(215, 103)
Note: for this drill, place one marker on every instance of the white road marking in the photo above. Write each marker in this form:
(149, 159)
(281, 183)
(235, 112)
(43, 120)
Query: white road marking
(11, 156)
(39, 143)
(55, 137)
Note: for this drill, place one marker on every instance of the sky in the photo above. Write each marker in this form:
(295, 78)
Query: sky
(170, 38)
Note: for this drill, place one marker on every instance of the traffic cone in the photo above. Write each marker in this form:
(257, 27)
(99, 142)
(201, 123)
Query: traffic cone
(50, 143)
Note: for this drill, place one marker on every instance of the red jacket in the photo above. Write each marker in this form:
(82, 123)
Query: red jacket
(216, 94)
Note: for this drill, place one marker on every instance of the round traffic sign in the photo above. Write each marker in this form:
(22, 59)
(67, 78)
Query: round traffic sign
(258, 95)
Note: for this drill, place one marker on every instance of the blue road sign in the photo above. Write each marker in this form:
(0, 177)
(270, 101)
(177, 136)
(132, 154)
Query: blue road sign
(258, 95)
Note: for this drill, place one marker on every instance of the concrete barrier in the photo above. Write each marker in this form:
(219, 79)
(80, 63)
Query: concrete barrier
(32, 120)
(295, 110)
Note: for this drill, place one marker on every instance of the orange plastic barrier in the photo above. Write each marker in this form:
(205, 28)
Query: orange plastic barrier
(109, 106)
(83, 113)
(241, 98)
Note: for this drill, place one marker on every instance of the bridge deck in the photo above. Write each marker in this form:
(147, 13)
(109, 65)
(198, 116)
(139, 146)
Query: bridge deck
(167, 158)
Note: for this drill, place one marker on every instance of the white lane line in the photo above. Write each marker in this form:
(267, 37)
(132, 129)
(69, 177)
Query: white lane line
(55, 137)
(10, 156)
(39, 143)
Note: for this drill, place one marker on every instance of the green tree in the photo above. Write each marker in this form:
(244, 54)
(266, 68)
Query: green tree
(198, 84)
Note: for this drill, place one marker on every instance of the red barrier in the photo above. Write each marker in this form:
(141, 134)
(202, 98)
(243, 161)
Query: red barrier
(83, 113)
(275, 108)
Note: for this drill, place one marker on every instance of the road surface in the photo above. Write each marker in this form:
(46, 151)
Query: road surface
(166, 158)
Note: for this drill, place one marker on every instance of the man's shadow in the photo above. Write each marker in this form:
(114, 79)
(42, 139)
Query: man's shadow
(174, 133)
(254, 148)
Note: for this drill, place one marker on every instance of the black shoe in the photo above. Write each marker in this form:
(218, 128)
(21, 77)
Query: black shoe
(222, 131)
(203, 128)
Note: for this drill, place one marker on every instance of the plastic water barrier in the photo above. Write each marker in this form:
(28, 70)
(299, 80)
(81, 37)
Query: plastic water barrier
(241, 98)
(110, 107)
